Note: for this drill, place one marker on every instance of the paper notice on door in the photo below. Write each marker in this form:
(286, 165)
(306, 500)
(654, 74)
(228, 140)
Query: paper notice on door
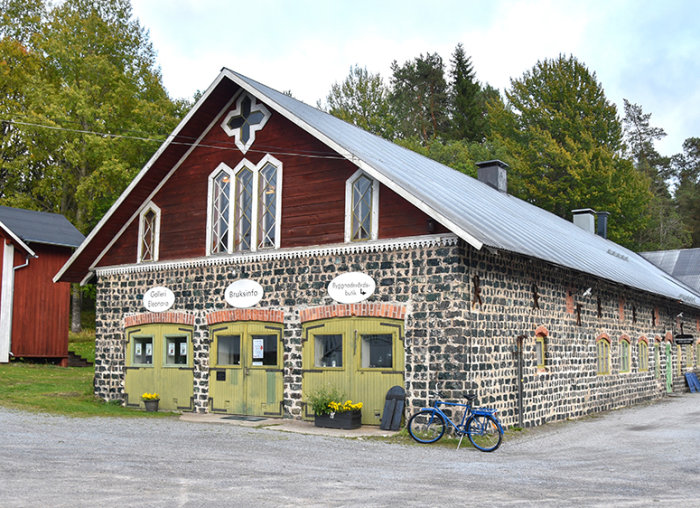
(183, 348)
(138, 349)
(171, 349)
(258, 350)
(149, 349)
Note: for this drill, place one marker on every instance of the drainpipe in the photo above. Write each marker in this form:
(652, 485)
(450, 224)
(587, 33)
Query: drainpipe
(520, 380)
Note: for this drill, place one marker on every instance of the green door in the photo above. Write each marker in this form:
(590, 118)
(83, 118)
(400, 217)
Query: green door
(669, 369)
(159, 359)
(246, 375)
(362, 357)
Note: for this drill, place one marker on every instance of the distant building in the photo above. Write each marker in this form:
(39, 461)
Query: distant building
(34, 311)
(268, 249)
(683, 264)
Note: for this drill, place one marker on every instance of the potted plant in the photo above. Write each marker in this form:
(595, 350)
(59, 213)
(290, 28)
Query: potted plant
(331, 412)
(150, 400)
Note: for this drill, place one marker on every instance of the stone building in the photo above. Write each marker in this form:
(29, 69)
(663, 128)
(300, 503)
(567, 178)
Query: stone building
(268, 248)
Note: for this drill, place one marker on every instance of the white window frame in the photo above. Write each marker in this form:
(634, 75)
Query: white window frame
(151, 206)
(255, 219)
(236, 133)
(374, 221)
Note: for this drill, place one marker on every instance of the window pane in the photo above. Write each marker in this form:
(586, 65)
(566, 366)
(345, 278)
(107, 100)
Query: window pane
(362, 208)
(220, 213)
(244, 208)
(264, 349)
(143, 351)
(539, 351)
(176, 350)
(267, 203)
(377, 351)
(228, 350)
(148, 239)
(328, 350)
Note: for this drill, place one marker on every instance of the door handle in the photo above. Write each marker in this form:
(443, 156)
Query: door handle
(246, 371)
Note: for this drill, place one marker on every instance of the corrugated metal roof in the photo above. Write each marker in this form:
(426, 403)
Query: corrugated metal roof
(683, 264)
(40, 227)
(476, 212)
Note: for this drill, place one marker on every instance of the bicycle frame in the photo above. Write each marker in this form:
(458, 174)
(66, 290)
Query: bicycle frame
(461, 428)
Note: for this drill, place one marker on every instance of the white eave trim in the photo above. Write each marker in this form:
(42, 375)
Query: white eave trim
(291, 253)
(17, 240)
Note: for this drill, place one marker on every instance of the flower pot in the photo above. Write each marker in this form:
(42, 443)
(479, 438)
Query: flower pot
(344, 420)
(151, 405)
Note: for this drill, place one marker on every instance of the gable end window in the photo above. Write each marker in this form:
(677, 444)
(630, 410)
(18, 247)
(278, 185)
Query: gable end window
(361, 207)
(244, 207)
(149, 234)
(245, 120)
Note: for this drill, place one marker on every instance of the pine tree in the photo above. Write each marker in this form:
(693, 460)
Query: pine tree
(468, 106)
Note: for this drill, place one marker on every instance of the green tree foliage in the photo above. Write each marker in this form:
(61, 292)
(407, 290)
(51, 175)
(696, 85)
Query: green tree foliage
(565, 139)
(87, 67)
(362, 99)
(687, 172)
(419, 98)
(468, 104)
(665, 229)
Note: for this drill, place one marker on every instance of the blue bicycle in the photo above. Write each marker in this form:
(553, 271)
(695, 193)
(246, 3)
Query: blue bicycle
(480, 425)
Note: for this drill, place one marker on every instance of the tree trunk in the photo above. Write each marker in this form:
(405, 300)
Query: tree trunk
(76, 307)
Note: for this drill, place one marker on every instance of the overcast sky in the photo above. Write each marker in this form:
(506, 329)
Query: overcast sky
(647, 51)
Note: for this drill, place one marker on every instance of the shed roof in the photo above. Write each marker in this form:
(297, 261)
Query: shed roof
(479, 214)
(683, 264)
(39, 227)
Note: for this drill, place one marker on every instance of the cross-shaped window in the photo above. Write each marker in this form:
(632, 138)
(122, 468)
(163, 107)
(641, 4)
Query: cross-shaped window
(243, 122)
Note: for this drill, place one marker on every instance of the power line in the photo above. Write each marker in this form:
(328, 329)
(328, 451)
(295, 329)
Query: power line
(272, 149)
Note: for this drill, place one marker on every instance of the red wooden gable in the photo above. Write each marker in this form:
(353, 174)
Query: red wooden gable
(313, 191)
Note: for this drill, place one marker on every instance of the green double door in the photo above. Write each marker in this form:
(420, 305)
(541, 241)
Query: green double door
(361, 357)
(246, 373)
(159, 359)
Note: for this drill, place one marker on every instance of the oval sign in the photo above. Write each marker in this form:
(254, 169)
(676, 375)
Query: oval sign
(351, 287)
(243, 293)
(158, 299)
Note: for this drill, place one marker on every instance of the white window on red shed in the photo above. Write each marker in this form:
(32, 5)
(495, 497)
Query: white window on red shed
(149, 234)
(361, 207)
(244, 207)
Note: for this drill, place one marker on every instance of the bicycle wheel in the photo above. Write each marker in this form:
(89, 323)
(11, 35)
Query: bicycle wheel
(426, 426)
(484, 433)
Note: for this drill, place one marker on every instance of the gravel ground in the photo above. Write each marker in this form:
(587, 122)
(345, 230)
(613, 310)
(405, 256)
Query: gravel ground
(632, 457)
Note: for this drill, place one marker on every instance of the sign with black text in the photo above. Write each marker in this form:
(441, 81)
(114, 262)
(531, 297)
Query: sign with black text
(158, 299)
(351, 287)
(243, 293)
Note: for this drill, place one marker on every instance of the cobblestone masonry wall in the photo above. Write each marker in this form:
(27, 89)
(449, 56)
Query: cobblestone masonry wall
(464, 311)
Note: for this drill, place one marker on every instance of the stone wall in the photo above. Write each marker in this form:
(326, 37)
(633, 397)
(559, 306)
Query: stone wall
(464, 311)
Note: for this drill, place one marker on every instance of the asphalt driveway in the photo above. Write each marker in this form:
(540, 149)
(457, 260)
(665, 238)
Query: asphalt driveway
(632, 457)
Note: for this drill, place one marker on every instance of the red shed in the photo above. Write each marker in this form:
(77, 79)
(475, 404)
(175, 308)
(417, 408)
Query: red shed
(34, 311)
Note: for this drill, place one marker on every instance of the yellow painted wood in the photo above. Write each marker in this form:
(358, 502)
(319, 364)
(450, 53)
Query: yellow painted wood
(359, 382)
(174, 383)
(248, 388)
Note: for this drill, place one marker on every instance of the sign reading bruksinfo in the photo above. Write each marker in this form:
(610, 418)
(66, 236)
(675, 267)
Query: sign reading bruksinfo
(351, 287)
(243, 293)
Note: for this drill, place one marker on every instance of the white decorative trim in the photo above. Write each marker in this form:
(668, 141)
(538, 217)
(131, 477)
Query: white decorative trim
(236, 133)
(374, 220)
(293, 253)
(156, 233)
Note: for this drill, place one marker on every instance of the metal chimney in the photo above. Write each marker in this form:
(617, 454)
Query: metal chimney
(493, 173)
(603, 224)
(585, 219)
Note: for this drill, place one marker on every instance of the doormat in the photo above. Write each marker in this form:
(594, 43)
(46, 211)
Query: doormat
(244, 418)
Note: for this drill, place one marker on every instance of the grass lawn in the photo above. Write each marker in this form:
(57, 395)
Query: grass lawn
(51, 389)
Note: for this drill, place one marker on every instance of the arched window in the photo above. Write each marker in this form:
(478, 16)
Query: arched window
(244, 207)
(361, 207)
(624, 354)
(643, 355)
(541, 334)
(149, 234)
(603, 349)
